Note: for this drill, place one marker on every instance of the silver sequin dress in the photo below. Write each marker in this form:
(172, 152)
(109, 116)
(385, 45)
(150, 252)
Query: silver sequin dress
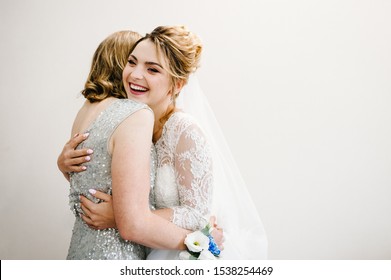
(105, 244)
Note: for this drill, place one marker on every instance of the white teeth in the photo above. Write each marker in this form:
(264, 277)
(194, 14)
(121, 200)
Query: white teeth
(134, 87)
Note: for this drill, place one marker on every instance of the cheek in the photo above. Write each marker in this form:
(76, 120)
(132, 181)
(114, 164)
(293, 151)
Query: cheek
(166, 86)
(160, 87)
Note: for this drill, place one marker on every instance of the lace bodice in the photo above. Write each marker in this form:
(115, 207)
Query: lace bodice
(184, 172)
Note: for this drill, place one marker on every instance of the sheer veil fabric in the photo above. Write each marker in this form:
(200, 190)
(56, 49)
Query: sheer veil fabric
(245, 237)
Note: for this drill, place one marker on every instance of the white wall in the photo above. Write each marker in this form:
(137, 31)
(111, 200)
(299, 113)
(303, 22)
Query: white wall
(307, 81)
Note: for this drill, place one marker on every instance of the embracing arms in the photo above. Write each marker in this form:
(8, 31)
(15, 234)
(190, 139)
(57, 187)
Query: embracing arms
(194, 190)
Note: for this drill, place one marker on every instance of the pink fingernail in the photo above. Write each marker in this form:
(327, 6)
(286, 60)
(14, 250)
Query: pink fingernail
(89, 151)
(88, 158)
(92, 191)
(85, 135)
(83, 167)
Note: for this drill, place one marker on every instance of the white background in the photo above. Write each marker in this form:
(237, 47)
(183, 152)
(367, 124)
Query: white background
(300, 88)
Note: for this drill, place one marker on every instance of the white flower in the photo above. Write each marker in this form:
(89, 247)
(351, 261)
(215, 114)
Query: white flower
(206, 255)
(197, 241)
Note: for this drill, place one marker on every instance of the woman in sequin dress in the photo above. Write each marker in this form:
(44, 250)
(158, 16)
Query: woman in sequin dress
(120, 130)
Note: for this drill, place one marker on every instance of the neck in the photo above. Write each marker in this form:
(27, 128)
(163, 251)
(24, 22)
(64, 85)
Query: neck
(159, 122)
(157, 130)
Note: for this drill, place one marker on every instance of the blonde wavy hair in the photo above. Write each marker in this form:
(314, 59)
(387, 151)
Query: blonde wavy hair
(108, 62)
(182, 51)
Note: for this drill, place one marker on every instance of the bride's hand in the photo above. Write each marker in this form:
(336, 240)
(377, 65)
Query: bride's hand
(70, 159)
(98, 215)
(217, 233)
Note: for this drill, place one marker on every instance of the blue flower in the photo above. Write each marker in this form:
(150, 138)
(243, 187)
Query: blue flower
(213, 246)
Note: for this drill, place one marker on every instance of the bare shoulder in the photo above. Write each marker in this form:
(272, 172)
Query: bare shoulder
(139, 122)
(136, 128)
(143, 116)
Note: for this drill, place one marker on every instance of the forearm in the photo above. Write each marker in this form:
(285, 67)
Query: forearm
(153, 231)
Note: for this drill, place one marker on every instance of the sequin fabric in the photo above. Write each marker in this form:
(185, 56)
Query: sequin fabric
(87, 243)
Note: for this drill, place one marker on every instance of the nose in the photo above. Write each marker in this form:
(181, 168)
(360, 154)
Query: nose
(137, 73)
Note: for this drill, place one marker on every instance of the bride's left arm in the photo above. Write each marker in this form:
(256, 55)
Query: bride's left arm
(194, 178)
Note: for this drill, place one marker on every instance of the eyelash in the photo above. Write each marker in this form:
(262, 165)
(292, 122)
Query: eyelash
(153, 70)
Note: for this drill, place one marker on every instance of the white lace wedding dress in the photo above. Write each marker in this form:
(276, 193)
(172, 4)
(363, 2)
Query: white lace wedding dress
(184, 176)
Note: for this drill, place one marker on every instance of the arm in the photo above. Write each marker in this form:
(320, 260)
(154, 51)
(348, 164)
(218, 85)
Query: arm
(130, 183)
(195, 187)
(195, 190)
(193, 166)
(101, 215)
(70, 159)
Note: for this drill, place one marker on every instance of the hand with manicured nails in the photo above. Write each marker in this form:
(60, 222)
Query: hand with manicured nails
(71, 159)
(98, 215)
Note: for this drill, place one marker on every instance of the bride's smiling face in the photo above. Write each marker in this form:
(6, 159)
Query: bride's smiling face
(145, 76)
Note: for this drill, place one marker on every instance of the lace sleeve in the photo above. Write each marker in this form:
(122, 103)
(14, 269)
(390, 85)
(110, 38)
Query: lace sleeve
(193, 168)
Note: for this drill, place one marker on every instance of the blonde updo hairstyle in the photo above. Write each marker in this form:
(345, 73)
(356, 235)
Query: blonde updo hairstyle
(182, 51)
(109, 60)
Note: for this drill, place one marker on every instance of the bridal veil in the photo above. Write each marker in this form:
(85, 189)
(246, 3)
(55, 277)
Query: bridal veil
(245, 237)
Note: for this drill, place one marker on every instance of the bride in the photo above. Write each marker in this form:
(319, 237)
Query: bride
(194, 166)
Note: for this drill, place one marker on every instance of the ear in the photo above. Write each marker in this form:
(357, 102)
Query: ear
(178, 86)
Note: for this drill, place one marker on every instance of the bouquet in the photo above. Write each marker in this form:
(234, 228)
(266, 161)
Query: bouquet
(200, 246)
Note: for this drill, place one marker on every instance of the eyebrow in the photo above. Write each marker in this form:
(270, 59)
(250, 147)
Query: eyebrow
(148, 62)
